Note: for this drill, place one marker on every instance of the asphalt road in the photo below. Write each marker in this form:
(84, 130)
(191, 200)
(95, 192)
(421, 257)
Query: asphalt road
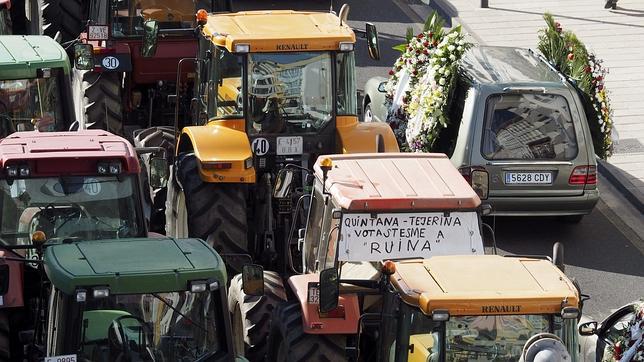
(601, 252)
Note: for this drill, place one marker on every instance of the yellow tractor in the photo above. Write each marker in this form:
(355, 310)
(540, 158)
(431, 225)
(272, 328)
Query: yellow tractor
(274, 89)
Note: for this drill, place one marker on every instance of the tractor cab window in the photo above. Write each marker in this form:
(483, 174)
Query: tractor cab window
(30, 104)
(289, 93)
(313, 231)
(174, 326)
(346, 84)
(82, 207)
(224, 85)
(128, 16)
(478, 338)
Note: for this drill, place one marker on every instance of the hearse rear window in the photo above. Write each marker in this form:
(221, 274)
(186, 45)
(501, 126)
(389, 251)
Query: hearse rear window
(528, 126)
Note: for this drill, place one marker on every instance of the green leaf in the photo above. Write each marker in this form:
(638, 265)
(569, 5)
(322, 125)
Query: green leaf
(400, 47)
(410, 34)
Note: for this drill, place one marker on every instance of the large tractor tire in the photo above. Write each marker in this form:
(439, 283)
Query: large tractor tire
(63, 20)
(251, 315)
(154, 198)
(5, 341)
(215, 212)
(289, 343)
(97, 97)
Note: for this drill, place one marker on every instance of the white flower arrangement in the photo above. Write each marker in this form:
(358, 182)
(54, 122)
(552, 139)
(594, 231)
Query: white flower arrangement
(420, 83)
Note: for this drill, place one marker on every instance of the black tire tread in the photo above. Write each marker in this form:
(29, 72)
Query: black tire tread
(62, 17)
(256, 312)
(301, 346)
(5, 340)
(216, 211)
(102, 101)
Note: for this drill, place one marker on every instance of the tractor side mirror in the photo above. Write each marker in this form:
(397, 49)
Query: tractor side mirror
(150, 32)
(329, 290)
(4, 279)
(588, 328)
(372, 41)
(158, 172)
(253, 280)
(283, 183)
(84, 56)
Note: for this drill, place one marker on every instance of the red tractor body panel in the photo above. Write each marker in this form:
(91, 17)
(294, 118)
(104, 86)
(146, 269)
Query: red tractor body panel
(344, 320)
(66, 153)
(163, 65)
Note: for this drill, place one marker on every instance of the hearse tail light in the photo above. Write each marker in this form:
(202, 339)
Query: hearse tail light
(583, 175)
(440, 315)
(478, 178)
(346, 46)
(242, 48)
(569, 313)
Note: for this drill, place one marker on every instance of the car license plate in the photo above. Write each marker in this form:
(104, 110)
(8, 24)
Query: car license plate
(290, 145)
(527, 178)
(98, 32)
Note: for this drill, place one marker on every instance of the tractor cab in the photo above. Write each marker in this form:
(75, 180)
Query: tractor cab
(34, 85)
(465, 308)
(112, 300)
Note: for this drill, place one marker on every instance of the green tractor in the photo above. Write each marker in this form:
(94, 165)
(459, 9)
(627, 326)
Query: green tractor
(35, 86)
(135, 299)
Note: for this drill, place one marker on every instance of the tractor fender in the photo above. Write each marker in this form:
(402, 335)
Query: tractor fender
(14, 296)
(222, 152)
(358, 137)
(312, 322)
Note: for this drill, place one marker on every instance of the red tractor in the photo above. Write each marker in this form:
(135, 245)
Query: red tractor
(123, 82)
(58, 188)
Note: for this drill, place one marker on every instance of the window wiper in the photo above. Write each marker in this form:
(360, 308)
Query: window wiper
(178, 312)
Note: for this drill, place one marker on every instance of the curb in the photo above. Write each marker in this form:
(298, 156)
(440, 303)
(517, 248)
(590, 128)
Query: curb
(622, 184)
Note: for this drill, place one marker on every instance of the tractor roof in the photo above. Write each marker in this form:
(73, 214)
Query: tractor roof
(397, 181)
(132, 266)
(278, 30)
(21, 56)
(485, 284)
(56, 153)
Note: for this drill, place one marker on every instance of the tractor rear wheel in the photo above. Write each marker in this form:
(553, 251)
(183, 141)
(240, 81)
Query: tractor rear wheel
(216, 212)
(155, 198)
(251, 315)
(288, 342)
(5, 341)
(62, 20)
(97, 97)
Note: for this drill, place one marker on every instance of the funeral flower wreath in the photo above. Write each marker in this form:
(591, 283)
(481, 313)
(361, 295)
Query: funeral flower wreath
(630, 345)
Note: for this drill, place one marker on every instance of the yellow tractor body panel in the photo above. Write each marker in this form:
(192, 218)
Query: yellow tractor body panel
(485, 285)
(216, 145)
(358, 137)
(423, 344)
(278, 31)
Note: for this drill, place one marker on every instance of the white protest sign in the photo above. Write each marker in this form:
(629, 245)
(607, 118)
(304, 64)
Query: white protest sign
(408, 235)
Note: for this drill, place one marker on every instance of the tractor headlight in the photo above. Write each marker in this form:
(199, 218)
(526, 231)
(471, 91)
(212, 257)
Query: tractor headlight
(569, 313)
(440, 315)
(242, 48)
(248, 163)
(198, 286)
(346, 46)
(101, 292)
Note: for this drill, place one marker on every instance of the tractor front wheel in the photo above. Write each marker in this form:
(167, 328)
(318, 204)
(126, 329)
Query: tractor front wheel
(289, 343)
(251, 315)
(215, 212)
(155, 198)
(97, 97)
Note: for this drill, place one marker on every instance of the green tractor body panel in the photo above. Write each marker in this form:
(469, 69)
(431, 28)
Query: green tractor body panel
(133, 266)
(21, 56)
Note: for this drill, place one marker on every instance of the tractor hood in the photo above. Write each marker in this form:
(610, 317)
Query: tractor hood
(129, 266)
(21, 56)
